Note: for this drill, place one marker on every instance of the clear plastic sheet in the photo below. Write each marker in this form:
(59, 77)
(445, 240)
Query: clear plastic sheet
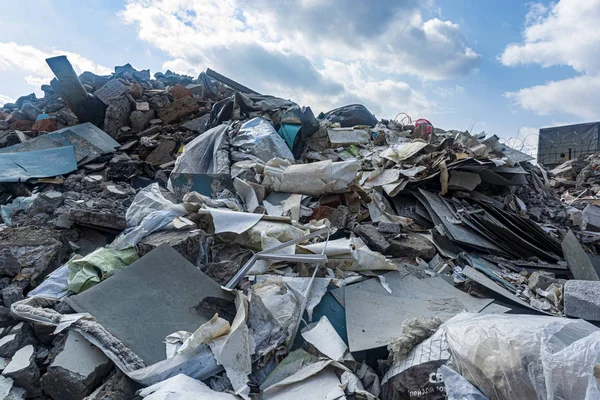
(258, 138)
(521, 357)
(207, 154)
(149, 212)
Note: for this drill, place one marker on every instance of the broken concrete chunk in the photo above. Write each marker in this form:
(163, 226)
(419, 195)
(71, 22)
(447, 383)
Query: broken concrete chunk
(11, 294)
(582, 299)
(541, 280)
(186, 243)
(388, 227)
(162, 153)
(20, 335)
(116, 115)
(117, 387)
(76, 371)
(9, 264)
(140, 119)
(179, 109)
(413, 245)
(24, 371)
(375, 240)
(197, 124)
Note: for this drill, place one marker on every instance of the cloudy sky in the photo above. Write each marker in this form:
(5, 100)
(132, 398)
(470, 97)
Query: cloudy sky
(505, 67)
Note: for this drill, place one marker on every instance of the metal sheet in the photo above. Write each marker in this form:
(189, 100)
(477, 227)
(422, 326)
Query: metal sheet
(406, 285)
(375, 321)
(490, 284)
(152, 298)
(19, 167)
(578, 261)
(457, 232)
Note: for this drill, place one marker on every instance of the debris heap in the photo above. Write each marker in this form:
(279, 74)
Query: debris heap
(181, 236)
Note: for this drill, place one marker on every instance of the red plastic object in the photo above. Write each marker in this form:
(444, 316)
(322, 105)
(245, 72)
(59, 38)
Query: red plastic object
(426, 126)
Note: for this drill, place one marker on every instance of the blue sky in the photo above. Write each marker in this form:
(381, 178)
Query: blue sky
(506, 67)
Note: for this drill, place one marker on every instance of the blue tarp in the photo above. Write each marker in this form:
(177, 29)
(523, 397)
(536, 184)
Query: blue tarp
(21, 166)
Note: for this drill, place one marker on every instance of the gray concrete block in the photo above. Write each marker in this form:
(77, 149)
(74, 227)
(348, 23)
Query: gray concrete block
(541, 280)
(20, 335)
(375, 240)
(388, 227)
(582, 299)
(11, 294)
(117, 387)
(23, 370)
(412, 245)
(77, 369)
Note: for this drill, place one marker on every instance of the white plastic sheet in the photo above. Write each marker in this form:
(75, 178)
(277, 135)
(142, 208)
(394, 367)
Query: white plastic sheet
(522, 357)
(314, 179)
(258, 138)
(149, 212)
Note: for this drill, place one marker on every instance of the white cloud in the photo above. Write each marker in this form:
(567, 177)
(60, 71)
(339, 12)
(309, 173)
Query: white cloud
(289, 50)
(5, 99)
(577, 96)
(560, 34)
(32, 62)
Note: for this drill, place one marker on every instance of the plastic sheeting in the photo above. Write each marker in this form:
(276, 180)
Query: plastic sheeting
(314, 179)
(257, 137)
(18, 204)
(207, 154)
(87, 271)
(149, 212)
(522, 357)
(351, 115)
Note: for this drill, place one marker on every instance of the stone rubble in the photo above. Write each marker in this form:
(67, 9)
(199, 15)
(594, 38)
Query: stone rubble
(488, 210)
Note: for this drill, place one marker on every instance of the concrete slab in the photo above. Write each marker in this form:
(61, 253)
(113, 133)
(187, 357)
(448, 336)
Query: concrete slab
(77, 370)
(23, 370)
(582, 299)
(577, 259)
(152, 298)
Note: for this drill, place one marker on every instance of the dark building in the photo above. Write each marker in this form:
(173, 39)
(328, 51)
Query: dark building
(561, 143)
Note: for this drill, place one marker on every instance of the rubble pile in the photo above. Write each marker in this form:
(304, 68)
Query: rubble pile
(181, 237)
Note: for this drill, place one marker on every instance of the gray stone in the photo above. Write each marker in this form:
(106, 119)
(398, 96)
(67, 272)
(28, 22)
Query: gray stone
(156, 121)
(117, 114)
(153, 130)
(412, 245)
(54, 197)
(30, 111)
(388, 227)
(117, 387)
(197, 124)
(541, 280)
(186, 243)
(9, 264)
(340, 217)
(582, 299)
(16, 393)
(23, 370)
(159, 101)
(11, 294)
(140, 119)
(3, 363)
(77, 369)
(162, 153)
(371, 236)
(6, 319)
(20, 335)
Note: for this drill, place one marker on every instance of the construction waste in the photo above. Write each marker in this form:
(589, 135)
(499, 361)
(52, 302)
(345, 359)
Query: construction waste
(189, 238)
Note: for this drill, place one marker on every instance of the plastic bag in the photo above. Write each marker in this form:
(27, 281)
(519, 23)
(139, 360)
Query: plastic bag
(351, 115)
(521, 357)
(87, 271)
(149, 212)
(258, 138)
(207, 154)
(18, 204)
